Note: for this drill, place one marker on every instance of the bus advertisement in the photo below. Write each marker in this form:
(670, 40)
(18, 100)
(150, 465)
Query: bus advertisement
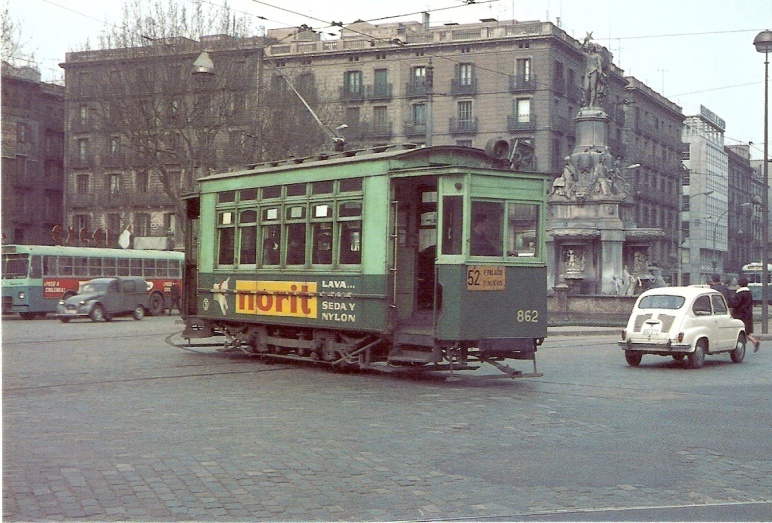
(36, 277)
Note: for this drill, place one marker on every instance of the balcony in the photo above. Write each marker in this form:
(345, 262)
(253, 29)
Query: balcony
(412, 128)
(463, 125)
(378, 92)
(415, 89)
(380, 130)
(113, 159)
(521, 122)
(81, 161)
(347, 94)
(519, 83)
(463, 88)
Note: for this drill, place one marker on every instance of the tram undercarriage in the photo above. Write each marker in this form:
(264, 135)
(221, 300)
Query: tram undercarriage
(364, 351)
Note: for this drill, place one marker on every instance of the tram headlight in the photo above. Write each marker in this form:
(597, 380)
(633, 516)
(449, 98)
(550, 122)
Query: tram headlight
(22, 295)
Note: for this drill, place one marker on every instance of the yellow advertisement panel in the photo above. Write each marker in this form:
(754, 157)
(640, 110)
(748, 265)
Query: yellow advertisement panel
(276, 298)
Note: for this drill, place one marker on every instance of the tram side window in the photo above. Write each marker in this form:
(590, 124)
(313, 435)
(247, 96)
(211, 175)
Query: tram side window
(248, 237)
(296, 234)
(452, 221)
(522, 224)
(321, 232)
(226, 233)
(271, 239)
(350, 252)
(486, 226)
(35, 268)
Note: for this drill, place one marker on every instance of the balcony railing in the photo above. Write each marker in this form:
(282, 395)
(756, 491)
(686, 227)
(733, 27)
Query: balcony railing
(415, 89)
(463, 125)
(348, 94)
(463, 88)
(80, 160)
(379, 130)
(378, 92)
(519, 83)
(412, 128)
(522, 122)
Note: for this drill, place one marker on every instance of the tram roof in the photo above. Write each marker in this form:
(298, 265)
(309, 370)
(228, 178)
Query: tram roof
(434, 156)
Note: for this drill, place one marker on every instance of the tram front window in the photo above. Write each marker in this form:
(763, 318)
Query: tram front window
(485, 236)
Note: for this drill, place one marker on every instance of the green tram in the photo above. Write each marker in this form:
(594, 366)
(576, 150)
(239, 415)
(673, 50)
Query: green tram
(397, 256)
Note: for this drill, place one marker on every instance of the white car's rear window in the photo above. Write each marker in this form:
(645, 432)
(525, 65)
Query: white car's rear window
(661, 301)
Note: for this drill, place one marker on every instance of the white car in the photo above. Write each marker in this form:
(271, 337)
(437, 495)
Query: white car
(682, 321)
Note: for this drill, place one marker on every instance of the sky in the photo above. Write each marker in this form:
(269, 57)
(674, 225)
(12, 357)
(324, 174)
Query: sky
(694, 52)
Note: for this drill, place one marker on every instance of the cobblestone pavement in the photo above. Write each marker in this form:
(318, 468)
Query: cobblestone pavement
(102, 422)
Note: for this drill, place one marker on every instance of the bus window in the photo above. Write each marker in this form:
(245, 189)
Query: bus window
(80, 266)
(123, 267)
(108, 267)
(65, 266)
(161, 268)
(94, 267)
(15, 265)
(135, 265)
(148, 267)
(50, 265)
(174, 269)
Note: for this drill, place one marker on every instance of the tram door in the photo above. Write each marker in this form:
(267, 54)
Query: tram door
(416, 247)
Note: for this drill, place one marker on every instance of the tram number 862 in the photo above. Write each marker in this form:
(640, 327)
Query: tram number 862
(527, 316)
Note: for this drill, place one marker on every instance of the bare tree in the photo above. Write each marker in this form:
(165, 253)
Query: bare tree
(12, 45)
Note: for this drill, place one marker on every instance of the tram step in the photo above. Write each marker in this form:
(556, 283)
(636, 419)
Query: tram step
(401, 355)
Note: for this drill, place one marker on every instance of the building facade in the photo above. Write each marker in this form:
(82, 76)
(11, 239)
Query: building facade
(376, 84)
(32, 156)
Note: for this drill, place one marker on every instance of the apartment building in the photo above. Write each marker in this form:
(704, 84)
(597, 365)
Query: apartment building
(375, 84)
(32, 156)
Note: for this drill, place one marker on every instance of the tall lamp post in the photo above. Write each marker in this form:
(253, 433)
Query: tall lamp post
(763, 43)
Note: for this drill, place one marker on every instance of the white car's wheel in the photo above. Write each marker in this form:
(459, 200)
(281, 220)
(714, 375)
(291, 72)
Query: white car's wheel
(633, 357)
(697, 358)
(738, 354)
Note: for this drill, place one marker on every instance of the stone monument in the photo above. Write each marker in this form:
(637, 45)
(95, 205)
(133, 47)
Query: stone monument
(593, 244)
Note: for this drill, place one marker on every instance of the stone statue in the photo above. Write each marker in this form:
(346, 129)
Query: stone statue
(595, 73)
(564, 184)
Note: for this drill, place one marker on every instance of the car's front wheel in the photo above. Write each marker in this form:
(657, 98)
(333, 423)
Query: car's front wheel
(139, 312)
(97, 313)
(633, 357)
(738, 354)
(697, 357)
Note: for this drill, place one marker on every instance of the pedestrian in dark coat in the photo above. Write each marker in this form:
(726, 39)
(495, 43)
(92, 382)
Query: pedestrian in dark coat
(720, 287)
(742, 309)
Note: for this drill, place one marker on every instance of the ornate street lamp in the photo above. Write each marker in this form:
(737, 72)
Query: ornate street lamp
(763, 43)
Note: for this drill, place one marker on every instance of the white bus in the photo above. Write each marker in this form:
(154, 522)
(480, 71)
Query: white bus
(752, 271)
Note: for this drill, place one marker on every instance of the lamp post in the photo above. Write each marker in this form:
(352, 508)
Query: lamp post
(763, 44)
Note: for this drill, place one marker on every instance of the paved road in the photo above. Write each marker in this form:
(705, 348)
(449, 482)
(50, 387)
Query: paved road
(107, 422)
